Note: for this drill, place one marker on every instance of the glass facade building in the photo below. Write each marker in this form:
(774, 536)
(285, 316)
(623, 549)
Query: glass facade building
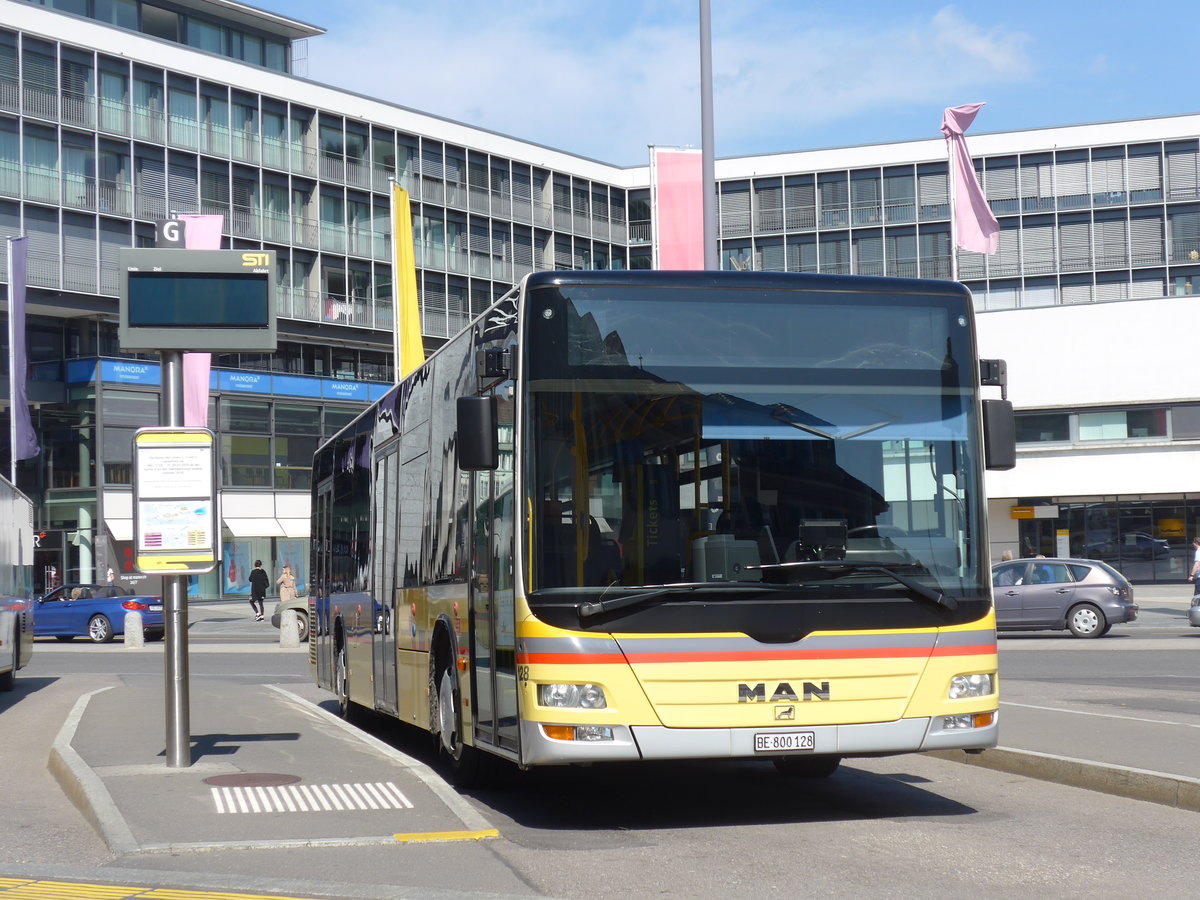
(117, 114)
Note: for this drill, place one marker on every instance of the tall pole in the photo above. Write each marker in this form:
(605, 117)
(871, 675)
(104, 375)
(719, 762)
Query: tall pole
(952, 197)
(175, 667)
(12, 370)
(396, 351)
(708, 180)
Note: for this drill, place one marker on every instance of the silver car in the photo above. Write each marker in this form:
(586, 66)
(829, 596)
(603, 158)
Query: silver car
(1084, 596)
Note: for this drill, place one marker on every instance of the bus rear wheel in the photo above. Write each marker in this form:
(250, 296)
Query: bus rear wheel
(807, 766)
(349, 710)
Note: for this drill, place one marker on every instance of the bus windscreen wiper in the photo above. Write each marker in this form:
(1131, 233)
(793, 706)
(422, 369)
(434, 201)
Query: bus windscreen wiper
(587, 610)
(923, 591)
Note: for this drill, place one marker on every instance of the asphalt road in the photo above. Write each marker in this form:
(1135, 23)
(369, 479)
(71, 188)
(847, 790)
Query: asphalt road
(896, 827)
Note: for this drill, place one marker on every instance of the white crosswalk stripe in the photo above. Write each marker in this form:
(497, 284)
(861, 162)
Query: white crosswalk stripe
(309, 798)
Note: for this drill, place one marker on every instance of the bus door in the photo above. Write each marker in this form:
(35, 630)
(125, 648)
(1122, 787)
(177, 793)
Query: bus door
(493, 619)
(383, 581)
(319, 569)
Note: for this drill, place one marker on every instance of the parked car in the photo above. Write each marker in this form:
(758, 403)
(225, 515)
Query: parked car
(1194, 612)
(300, 605)
(1084, 596)
(94, 611)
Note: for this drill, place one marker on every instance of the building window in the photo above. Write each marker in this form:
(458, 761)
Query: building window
(1043, 427)
(205, 36)
(160, 23)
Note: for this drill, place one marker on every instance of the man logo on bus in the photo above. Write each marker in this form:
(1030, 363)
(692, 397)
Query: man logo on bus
(783, 691)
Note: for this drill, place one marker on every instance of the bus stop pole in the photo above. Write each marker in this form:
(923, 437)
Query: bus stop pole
(175, 666)
(708, 180)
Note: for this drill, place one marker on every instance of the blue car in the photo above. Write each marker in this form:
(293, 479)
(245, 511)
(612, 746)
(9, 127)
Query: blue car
(94, 611)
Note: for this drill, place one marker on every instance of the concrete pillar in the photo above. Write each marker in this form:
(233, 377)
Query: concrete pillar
(289, 629)
(135, 635)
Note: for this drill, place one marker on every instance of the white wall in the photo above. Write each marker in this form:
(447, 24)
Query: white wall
(1121, 353)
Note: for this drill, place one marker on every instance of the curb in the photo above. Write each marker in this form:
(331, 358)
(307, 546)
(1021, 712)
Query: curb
(1177, 791)
(84, 787)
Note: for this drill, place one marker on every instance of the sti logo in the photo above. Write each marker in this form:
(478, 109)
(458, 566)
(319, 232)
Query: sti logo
(253, 260)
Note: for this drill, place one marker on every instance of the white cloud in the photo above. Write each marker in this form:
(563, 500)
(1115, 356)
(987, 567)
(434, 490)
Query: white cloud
(604, 79)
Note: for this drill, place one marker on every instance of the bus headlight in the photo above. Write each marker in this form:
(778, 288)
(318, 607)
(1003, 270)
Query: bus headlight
(572, 696)
(963, 686)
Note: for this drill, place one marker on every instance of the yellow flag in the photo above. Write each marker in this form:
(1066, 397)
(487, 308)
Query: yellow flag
(410, 352)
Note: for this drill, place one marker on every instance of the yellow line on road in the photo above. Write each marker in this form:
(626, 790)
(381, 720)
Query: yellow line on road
(27, 889)
(447, 836)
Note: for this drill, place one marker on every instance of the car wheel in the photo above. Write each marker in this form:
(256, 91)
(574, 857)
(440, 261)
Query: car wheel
(100, 630)
(807, 766)
(302, 628)
(1086, 621)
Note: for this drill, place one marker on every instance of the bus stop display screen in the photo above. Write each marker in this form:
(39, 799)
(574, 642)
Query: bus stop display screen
(197, 300)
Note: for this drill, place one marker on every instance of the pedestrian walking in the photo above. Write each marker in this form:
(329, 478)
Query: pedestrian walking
(287, 585)
(258, 589)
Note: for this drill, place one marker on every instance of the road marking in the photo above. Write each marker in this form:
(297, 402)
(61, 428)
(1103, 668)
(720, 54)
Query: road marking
(309, 798)
(419, 837)
(1081, 712)
(29, 889)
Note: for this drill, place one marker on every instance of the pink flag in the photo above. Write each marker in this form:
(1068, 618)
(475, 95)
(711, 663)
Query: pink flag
(677, 181)
(202, 233)
(24, 438)
(975, 228)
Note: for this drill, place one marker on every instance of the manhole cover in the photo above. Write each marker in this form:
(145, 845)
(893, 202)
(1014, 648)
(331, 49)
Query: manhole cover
(252, 779)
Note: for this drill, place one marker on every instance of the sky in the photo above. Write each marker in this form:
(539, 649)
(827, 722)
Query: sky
(606, 78)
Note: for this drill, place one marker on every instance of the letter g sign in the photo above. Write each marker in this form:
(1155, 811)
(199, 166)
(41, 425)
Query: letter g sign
(170, 233)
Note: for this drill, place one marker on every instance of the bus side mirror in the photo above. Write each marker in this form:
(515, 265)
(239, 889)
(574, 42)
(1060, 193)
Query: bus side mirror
(478, 437)
(999, 434)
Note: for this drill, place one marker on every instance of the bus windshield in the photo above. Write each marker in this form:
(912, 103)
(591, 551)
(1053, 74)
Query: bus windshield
(810, 444)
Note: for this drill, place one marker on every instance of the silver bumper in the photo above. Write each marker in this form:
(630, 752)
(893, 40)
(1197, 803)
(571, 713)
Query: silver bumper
(656, 742)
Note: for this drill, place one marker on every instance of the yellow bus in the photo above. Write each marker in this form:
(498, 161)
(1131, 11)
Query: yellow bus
(668, 515)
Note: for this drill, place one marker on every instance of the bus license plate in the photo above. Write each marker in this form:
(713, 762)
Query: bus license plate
(789, 740)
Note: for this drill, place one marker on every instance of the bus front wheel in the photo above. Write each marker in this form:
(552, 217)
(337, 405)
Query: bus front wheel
(468, 766)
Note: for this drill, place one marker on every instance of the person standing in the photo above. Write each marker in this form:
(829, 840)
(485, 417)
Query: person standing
(287, 585)
(258, 589)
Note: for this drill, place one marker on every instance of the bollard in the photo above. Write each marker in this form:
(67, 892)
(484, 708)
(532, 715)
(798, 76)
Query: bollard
(135, 635)
(289, 629)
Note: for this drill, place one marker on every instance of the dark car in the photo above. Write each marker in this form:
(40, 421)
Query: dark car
(1084, 596)
(94, 611)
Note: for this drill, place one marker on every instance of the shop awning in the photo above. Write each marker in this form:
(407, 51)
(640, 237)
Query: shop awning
(296, 528)
(120, 529)
(254, 527)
